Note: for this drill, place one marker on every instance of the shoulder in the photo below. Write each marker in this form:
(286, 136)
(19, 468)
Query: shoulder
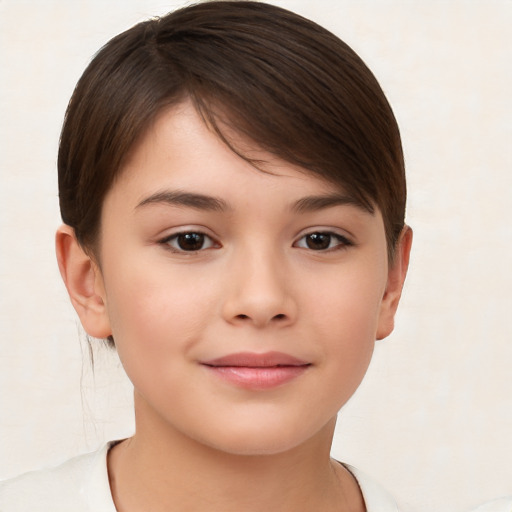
(80, 484)
(375, 497)
(499, 505)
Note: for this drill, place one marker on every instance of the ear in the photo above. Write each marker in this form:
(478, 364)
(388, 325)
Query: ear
(84, 283)
(396, 277)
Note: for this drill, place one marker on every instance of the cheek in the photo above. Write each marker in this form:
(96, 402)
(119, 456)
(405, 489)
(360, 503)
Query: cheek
(346, 313)
(349, 301)
(156, 311)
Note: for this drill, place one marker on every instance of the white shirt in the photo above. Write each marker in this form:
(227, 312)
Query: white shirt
(82, 485)
(499, 505)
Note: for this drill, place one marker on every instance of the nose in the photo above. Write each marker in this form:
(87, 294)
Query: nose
(260, 291)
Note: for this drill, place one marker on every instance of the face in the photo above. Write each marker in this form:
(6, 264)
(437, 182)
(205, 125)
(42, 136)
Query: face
(244, 304)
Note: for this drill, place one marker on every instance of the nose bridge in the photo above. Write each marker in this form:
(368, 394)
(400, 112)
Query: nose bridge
(260, 291)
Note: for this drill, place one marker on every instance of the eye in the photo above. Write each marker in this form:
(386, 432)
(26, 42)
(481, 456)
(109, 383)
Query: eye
(189, 241)
(322, 241)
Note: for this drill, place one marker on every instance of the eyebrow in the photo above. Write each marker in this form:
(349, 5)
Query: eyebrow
(189, 199)
(315, 203)
(210, 203)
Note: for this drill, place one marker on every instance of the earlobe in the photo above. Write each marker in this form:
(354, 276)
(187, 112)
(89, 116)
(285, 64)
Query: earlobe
(396, 278)
(84, 283)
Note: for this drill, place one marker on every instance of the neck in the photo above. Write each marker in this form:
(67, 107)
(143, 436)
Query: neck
(162, 469)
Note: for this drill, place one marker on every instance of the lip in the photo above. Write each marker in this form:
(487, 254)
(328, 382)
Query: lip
(256, 371)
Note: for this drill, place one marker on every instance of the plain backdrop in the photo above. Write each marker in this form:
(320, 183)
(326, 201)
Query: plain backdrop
(433, 419)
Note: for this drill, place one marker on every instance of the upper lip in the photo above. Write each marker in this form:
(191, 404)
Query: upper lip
(256, 360)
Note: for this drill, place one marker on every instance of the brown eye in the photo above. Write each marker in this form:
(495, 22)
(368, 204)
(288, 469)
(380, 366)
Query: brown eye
(322, 241)
(189, 241)
(318, 241)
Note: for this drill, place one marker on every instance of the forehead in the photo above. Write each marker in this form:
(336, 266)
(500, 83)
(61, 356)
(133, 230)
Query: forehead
(180, 151)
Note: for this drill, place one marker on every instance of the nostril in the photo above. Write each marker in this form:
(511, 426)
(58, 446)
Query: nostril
(242, 317)
(280, 316)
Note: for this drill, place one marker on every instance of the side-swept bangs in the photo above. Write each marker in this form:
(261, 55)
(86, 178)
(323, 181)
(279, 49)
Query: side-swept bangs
(275, 78)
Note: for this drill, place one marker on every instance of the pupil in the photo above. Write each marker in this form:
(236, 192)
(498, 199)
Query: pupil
(318, 241)
(191, 241)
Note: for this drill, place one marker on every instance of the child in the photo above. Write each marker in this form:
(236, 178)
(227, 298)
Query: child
(232, 188)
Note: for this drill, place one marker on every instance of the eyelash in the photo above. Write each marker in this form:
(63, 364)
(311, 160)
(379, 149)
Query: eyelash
(341, 242)
(168, 241)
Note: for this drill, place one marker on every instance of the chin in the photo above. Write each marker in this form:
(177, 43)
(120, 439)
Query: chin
(260, 446)
(268, 439)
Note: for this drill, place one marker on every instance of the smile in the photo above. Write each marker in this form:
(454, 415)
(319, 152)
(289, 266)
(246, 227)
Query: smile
(257, 371)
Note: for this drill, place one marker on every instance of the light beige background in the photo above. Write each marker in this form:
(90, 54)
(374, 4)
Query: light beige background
(433, 420)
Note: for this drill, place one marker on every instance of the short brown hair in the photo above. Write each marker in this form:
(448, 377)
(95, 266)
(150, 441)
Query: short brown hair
(284, 82)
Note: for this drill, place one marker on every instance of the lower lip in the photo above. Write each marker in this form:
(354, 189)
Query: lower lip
(258, 377)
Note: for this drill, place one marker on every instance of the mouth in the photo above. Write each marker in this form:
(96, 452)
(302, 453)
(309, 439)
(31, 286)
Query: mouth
(257, 371)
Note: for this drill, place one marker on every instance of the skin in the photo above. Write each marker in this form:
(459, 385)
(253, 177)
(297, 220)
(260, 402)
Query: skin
(256, 282)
